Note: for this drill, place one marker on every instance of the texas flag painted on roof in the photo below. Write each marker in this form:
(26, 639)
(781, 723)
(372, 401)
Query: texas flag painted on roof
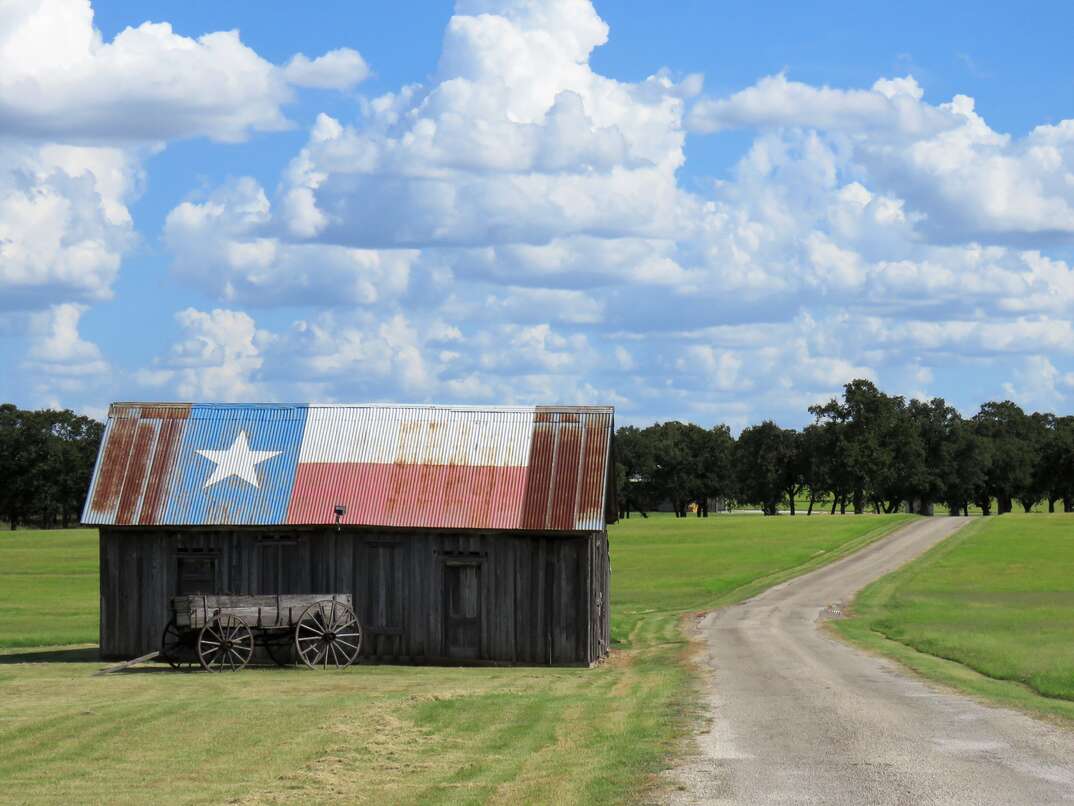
(517, 468)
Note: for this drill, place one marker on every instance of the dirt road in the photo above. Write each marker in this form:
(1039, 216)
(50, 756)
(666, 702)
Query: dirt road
(800, 717)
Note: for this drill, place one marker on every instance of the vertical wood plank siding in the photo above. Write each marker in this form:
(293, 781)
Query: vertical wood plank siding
(543, 598)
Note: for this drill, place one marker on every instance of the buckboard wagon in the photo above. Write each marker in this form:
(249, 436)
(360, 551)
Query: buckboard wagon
(221, 632)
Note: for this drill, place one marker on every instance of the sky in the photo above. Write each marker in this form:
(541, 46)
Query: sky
(701, 211)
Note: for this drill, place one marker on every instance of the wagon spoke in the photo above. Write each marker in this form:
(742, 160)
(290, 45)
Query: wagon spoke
(346, 643)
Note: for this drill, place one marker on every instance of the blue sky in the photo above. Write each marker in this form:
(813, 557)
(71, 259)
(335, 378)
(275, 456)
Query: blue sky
(696, 212)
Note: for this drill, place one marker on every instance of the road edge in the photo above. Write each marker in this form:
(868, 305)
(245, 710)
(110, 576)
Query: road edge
(853, 629)
(690, 626)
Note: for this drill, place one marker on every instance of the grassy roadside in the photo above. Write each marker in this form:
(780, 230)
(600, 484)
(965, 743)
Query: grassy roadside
(989, 611)
(379, 734)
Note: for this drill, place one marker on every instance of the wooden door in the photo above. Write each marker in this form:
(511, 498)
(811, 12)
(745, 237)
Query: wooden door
(462, 609)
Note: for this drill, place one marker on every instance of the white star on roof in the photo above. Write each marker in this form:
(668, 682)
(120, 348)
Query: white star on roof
(238, 460)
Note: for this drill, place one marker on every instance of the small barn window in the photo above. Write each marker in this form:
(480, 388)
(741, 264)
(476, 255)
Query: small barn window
(195, 571)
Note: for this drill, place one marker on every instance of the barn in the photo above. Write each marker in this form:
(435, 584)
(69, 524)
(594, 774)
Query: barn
(464, 534)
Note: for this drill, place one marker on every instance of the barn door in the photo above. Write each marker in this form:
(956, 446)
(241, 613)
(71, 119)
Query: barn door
(462, 609)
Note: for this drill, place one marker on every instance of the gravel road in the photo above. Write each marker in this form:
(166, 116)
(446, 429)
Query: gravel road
(800, 717)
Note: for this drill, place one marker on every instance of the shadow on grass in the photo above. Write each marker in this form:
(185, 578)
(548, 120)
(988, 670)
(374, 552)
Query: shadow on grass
(87, 654)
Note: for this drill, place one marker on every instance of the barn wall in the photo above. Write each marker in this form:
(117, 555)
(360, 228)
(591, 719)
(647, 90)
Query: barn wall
(422, 597)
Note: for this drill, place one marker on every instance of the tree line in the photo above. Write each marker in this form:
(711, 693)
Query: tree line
(866, 451)
(46, 461)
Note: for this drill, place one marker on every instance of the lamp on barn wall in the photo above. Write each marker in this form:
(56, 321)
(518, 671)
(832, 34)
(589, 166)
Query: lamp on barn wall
(340, 512)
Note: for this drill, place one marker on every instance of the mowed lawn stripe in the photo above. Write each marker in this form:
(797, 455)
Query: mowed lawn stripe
(998, 597)
(383, 734)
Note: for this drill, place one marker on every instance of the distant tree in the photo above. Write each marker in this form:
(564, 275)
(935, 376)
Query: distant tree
(78, 440)
(1056, 463)
(766, 466)
(46, 461)
(714, 452)
(874, 429)
(1037, 430)
(966, 472)
(678, 463)
(905, 475)
(794, 475)
(814, 463)
(635, 468)
(9, 437)
(1013, 447)
(28, 479)
(936, 425)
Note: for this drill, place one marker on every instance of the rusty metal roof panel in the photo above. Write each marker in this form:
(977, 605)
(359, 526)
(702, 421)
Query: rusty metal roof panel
(543, 468)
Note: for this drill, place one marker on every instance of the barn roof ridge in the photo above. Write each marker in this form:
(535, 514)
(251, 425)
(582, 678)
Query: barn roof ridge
(525, 409)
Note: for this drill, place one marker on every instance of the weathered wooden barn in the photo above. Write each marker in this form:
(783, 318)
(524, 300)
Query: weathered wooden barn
(464, 534)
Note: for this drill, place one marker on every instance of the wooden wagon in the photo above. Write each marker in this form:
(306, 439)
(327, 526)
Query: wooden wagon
(221, 632)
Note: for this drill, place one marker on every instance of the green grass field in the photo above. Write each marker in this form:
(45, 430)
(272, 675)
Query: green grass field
(377, 734)
(48, 588)
(997, 598)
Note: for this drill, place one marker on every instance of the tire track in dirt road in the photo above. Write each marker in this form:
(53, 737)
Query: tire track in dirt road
(798, 717)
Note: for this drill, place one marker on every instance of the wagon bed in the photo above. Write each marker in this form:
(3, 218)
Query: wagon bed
(262, 611)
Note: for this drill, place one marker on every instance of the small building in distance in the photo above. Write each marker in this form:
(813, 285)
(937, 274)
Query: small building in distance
(464, 534)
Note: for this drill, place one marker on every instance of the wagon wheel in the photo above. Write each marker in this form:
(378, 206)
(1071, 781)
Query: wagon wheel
(328, 634)
(176, 647)
(225, 644)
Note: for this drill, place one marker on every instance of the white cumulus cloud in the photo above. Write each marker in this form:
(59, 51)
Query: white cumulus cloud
(338, 69)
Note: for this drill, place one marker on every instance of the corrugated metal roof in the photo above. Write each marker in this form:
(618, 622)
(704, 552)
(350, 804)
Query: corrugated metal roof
(542, 468)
